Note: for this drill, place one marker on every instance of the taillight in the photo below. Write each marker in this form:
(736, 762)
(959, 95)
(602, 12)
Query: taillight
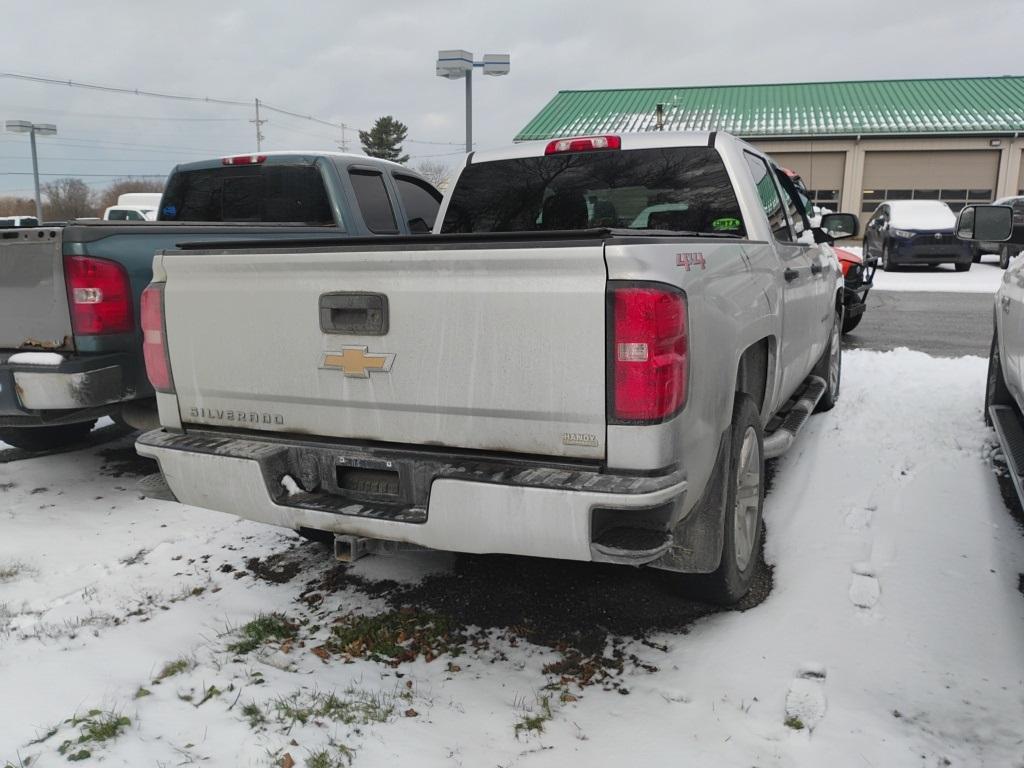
(583, 144)
(243, 160)
(154, 339)
(99, 295)
(648, 353)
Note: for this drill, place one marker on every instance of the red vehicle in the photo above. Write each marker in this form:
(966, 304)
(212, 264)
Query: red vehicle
(858, 275)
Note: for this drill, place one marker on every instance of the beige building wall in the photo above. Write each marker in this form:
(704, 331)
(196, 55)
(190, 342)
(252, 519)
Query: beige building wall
(914, 163)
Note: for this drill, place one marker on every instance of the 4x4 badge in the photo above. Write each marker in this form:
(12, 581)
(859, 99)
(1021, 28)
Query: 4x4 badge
(357, 362)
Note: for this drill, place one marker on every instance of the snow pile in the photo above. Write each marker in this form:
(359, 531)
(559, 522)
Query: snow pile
(36, 358)
(892, 635)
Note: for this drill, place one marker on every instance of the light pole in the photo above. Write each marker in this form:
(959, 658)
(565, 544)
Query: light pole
(458, 63)
(43, 129)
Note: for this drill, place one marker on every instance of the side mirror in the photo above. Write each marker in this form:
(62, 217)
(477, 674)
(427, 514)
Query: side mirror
(991, 223)
(839, 225)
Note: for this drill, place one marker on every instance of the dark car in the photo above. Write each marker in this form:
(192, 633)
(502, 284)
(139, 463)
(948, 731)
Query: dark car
(1006, 251)
(915, 232)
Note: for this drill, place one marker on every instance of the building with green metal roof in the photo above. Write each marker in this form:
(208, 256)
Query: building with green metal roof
(855, 143)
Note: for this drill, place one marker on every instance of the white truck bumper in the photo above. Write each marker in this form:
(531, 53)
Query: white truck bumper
(536, 511)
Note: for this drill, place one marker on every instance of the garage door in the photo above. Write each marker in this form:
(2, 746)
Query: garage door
(955, 176)
(822, 173)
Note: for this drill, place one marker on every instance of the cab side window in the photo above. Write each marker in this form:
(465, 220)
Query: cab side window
(791, 207)
(768, 192)
(373, 200)
(420, 200)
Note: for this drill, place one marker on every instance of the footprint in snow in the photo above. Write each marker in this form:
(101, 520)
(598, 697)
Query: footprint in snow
(864, 587)
(859, 518)
(805, 700)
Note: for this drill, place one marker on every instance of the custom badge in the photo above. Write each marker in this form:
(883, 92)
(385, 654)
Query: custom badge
(357, 362)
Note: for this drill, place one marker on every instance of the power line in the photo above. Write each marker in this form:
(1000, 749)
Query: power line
(343, 127)
(129, 91)
(111, 116)
(90, 175)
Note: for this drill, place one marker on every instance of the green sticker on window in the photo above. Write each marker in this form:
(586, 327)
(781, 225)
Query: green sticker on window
(725, 223)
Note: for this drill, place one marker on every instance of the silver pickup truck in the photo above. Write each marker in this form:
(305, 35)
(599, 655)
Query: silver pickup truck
(589, 359)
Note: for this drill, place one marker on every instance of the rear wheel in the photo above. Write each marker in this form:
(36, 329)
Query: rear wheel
(852, 321)
(976, 254)
(965, 266)
(1004, 256)
(830, 366)
(887, 265)
(996, 391)
(744, 498)
(46, 438)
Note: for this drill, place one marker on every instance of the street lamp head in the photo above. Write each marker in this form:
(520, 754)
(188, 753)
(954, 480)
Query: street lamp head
(454, 64)
(496, 63)
(24, 126)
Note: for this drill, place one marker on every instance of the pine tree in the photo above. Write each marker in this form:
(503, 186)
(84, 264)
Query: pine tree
(385, 139)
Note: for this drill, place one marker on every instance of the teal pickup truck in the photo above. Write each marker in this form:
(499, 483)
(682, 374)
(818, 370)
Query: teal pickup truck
(70, 333)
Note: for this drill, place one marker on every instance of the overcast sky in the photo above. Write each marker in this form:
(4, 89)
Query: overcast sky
(352, 62)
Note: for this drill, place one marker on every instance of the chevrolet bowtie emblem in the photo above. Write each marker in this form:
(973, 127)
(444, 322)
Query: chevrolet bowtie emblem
(357, 362)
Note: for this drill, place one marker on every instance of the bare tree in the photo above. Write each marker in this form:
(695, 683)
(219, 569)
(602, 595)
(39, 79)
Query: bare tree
(17, 206)
(68, 199)
(436, 173)
(118, 187)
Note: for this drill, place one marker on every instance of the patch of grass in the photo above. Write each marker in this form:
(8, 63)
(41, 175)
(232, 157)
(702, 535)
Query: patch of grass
(254, 714)
(172, 668)
(396, 636)
(11, 570)
(794, 722)
(354, 707)
(141, 693)
(533, 721)
(264, 628)
(338, 756)
(95, 728)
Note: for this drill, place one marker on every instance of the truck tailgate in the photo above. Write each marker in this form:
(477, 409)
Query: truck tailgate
(33, 300)
(492, 347)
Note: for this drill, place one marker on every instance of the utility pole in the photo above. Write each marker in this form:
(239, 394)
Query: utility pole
(259, 133)
(469, 110)
(343, 146)
(43, 129)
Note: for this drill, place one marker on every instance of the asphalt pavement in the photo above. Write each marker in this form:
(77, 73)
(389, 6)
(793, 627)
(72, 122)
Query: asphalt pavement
(940, 324)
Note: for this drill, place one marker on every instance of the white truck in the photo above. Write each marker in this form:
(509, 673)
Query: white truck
(134, 206)
(538, 377)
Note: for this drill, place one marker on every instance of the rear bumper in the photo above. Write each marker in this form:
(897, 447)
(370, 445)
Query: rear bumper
(442, 501)
(46, 394)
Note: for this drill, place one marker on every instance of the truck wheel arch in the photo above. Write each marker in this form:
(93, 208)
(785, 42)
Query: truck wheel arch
(753, 371)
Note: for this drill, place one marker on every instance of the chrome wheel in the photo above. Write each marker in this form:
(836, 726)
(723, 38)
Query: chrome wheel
(748, 498)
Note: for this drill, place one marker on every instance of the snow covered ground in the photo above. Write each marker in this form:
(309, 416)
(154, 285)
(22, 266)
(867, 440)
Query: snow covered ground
(984, 277)
(892, 635)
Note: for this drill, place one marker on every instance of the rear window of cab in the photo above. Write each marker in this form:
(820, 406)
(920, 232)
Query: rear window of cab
(678, 189)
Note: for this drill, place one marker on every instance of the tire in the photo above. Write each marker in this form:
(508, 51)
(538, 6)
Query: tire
(965, 266)
(743, 501)
(976, 254)
(830, 367)
(851, 321)
(886, 264)
(1004, 256)
(46, 438)
(996, 391)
